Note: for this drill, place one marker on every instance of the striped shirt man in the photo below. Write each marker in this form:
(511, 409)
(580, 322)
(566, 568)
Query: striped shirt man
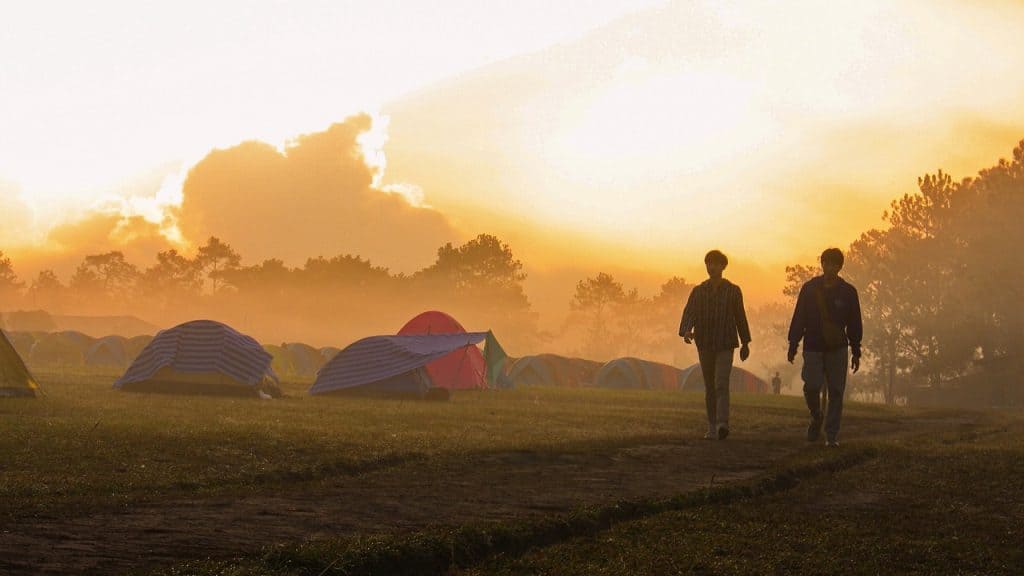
(715, 313)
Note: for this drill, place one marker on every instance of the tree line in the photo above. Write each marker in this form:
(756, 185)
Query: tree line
(940, 283)
(480, 282)
(940, 287)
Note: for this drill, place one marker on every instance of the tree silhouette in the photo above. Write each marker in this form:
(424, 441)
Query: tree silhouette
(484, 262)
(939, 285)
(10, 286)
(216, 258)
(47, 291)
(173, 280)
(594, 300)
(106, 275)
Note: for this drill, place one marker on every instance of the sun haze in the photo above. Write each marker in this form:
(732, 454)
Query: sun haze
(628, 136)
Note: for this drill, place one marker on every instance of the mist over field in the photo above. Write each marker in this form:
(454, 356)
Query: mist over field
(336, 288)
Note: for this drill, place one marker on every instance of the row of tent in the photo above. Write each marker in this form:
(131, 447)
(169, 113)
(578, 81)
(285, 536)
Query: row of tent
(71, 349)
(430, 355)
(621, 373)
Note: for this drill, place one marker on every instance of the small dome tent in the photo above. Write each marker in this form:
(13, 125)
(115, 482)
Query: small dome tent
(201, 357)
(638, 373)
(390, 365)
(463, 369)
(108, 351)
(553, 370)
(61, 349)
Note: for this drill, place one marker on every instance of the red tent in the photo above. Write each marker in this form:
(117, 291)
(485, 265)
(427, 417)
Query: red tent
(462, 369)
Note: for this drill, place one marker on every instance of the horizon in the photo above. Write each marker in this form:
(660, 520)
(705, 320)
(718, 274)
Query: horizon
(590, 172)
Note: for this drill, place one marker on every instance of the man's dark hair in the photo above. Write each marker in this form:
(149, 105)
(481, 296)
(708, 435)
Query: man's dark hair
(833, 255)
(716, 256)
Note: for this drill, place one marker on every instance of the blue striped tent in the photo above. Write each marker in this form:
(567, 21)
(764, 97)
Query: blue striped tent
(389, 364)
(203, 357)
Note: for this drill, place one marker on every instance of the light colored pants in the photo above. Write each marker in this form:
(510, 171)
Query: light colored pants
(716, 366)
(826, 370)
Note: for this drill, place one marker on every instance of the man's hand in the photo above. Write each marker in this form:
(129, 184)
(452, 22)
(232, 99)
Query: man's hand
(744, 352)
(855, 364)
(688, 337)
(790, 356)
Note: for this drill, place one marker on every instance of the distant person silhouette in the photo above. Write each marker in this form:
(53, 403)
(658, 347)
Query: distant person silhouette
(827, 317)
(712, 317)
(776, 384)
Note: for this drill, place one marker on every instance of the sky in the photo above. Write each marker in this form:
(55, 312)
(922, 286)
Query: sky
(97, 96)
(628, 136)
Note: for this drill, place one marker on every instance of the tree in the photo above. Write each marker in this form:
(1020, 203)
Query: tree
(593, 302)
(268, 279)
(173, 280)
(662, 318)
(10, 286)
(939, 287)
(216, 258)
(342, 271)
(483, 263)
(483, 281)
(47, 291)
(106, 275)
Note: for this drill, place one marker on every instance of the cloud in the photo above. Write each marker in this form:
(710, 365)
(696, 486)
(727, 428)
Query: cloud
(316, 197)
(766, 129)
(98, 232)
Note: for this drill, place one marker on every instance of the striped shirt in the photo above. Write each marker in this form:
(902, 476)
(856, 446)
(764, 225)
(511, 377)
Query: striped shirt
(716, 315)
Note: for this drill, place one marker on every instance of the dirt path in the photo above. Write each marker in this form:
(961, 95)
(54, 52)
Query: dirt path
(403, 497)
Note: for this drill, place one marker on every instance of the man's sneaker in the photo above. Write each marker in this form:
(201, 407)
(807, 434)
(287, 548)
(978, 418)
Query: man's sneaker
(832, 443)
(723, 432)
(814, 430)
(710, 435)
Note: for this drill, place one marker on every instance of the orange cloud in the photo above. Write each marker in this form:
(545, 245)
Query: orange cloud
(315, 198)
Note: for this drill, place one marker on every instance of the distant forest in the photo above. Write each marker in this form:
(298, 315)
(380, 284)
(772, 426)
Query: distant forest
(940, 287)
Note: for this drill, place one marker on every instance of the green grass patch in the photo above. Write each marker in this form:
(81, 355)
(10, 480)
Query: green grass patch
(949, 504)
(85, 445)
(443, 551)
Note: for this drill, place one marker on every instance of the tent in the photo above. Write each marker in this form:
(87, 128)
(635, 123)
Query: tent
(62, 349)
(638, 373)
(201, 357)
(134, 346)
(740, 380)
(15, 379)
(23, 342)
(391, 365)
(305, 359)
(108, 351)
(462, 369)
(281, 361)
(552, 370)
(328, 352)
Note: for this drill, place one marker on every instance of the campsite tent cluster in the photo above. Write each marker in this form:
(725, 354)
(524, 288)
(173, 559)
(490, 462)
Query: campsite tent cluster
(71, 349)
(429, 356)
(631, 373)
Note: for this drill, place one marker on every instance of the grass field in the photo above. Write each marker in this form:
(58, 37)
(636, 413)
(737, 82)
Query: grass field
(515, 482)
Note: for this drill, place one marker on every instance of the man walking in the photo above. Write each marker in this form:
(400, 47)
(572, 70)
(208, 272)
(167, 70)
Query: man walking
(712, 317)
(827, 318)
(776, 384)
